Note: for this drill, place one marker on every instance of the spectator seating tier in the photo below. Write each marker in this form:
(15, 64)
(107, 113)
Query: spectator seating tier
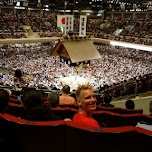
(56, 136)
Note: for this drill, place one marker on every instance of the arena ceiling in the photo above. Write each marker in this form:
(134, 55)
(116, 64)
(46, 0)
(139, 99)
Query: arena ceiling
(93, 4)
(82, 4)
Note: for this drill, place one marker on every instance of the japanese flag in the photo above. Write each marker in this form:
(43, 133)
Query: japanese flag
(61, 20)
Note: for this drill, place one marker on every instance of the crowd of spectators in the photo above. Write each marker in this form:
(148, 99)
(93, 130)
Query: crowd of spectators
(10, 26)
(117, 65)
(137, 29)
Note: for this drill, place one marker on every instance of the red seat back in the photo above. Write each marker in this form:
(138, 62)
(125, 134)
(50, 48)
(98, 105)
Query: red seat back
(120, 110)
(66, 112)
(15, 109)
(112, 119)
(37, 136)
(82, 138)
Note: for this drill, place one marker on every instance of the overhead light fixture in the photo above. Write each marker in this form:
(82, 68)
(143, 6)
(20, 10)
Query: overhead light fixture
(131, 45)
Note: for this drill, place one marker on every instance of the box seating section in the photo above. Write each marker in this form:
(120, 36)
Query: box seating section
(67, 136)
(39, 136)
(15, 109)
(65, 112)
(112, 119)
(119, 110)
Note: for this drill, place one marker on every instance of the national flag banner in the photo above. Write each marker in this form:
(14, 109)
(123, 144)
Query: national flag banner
(61, 23)
(65, 22)
(82, 25)
(61, 20)
(69, 23)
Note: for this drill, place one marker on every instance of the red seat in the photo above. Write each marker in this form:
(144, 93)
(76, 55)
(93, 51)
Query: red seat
(13, 96)
(69, 105)
(56, 136)
(143, 131)
(112, 119)
(66, 112)
(146, 119)
(15, 109)
(13, 100)
(144, 138)
(81, 138)
(36, 136)
(120, 110)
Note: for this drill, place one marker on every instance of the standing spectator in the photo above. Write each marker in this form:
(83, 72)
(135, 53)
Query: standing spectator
(4, 99)
(86, 100)
(6, 136)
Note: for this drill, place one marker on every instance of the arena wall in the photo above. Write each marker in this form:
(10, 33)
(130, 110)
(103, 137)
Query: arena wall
(140, 103)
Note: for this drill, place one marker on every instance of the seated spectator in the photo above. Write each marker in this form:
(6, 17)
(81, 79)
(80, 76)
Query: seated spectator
(53, 99)
(86, 100)
(6, 136)
(8, 90)
(73, 95)
(35, 107)
(130, 104)
(4, 99)
(65, 98)
(107, 101)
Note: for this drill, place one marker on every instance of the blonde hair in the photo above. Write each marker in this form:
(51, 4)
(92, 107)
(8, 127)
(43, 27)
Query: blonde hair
(83, 87)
